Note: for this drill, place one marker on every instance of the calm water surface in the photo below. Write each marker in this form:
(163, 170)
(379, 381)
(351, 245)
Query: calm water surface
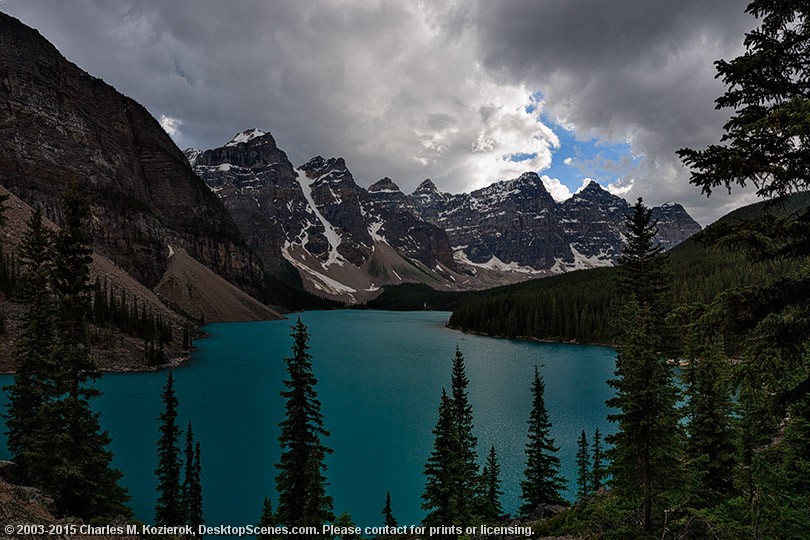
(380, 378)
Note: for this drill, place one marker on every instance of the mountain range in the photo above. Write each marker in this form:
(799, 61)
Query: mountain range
(348, 242)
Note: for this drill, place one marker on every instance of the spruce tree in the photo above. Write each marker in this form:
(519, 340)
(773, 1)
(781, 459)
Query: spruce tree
(598, 467)
(710, 449)
(388, 515)
(647, 443)
(584, 482)
(76, 469)
(267, 520)
(301, 483)
(490, 488)
(345, 523)
(192, 484)
(444, 471)
(543, 483)
(766, 143)
(35, 370)
(169, 506)
(468, 456)
(794, 472)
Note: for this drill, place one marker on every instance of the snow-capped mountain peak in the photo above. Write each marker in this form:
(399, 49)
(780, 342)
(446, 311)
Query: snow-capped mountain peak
(245, 136)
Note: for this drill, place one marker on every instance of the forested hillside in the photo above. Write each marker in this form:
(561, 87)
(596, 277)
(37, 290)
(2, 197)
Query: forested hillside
(580, 306)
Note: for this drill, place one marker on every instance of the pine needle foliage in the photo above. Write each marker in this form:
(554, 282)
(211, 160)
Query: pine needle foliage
(169, 507)
(301, 481)
(543, 483)
(648, 440)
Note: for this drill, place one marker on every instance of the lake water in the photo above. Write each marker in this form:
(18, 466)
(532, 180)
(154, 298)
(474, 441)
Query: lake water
(380, 379)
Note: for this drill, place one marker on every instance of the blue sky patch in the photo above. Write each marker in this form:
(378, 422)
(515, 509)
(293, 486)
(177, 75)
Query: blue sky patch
(520, 156)
(576, 159)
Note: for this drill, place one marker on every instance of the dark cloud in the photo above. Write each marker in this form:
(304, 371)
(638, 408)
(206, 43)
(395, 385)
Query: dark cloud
(415, 90)
(629, 70)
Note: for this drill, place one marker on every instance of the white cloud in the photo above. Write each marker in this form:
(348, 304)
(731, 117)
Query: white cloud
(558, 191)
(621, 187)
(170, 125)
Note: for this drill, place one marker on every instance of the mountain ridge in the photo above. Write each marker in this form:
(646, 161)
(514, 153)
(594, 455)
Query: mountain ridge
(61, 125)
(328, 227)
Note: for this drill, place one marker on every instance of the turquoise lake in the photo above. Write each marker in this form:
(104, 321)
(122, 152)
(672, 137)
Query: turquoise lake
(380, 379)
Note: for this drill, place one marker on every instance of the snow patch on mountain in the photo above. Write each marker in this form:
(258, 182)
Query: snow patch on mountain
(374, 232)
(245, 136)
(494, 263)
(330, 233)
(581, 261)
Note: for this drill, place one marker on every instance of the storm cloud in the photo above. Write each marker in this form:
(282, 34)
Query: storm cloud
(465, 93)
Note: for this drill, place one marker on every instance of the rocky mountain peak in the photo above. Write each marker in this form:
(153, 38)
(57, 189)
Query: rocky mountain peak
(527, 191)
(250, 149)
(530, 177)
(593, 187)
(674, 224)
(191, 155)
(245, 136)
(384, 185)
(427, 187)
(594, 193)
(530, 182)
(332, 170)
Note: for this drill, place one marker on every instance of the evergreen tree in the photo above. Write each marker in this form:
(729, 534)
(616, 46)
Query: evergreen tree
(584, 482)
(169, 506)
(388, 515)
(709, 408)
(490, 495)
(192, 484)
(300, 483)
(444, 471)
(647, 443)
(345, 522)
(543, 482)
(35, 370)
(468, 456)
(76, 465)
(598, 468)
(73, 292)
(766, 142)
(267, 520)
(794, 473)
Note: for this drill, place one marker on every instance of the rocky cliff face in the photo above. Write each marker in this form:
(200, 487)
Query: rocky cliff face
(674, 224)
(332, 230)
(59, 125)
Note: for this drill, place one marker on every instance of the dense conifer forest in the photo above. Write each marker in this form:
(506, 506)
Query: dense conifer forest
(581, 306)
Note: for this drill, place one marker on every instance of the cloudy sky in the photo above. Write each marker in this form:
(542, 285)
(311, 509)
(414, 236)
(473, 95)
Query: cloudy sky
(463, 92)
